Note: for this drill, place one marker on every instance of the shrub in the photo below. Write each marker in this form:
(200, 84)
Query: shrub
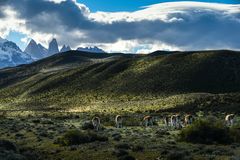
(137, 148)
(94, 137)
(176, 155)
(3, 114)
(46, 121)
(87, 125)
(7, 145)
(235, 134)
(75, 137)
(205, 131)
(36, 120)
(7, 155)
(126, 157)
(123, 146)
(120, 152)
(161, 133)
(116, 136)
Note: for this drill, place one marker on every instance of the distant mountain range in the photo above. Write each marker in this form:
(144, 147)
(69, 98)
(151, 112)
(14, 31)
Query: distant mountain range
(37, 51)
(91, 49)
(11, 55)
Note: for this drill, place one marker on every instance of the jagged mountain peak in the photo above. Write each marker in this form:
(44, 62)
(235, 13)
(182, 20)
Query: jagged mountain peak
(54, 40)
(37, 51)
(10, 45)
(12, 55)
(32, 41)
(65, 48)
(53, 47)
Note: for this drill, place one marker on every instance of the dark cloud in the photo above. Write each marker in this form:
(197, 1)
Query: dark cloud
(42, 12)
(1, 13)
(203, 31)
(2, 5)
(3, 2)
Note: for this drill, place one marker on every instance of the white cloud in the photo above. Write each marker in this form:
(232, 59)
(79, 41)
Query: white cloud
(164, 26)
(56, 1)
(135, 46)
(162, 11)
(10, 22)
(182, 26)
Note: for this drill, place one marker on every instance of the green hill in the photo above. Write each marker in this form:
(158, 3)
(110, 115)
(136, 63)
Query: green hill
(86, 81)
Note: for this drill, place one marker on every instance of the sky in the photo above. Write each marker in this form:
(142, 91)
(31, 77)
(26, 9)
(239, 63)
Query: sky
(138, 26)
(133, 5)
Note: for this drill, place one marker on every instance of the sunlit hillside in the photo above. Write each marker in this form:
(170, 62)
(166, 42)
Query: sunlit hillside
(80, 81)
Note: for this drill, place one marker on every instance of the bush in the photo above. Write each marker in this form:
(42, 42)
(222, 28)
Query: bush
(176, 155)
(120, 152)
(116, 136)
(36, 120)
(205, 131)
(87, 125)
(235, 134)
(75, 137)
(9, 151)
(94, 137)
(123, 146)
(161, 133)
(3, 114)
(126, 157)
(8, 155)
(7, 145)
(46, 121)
(137, 148)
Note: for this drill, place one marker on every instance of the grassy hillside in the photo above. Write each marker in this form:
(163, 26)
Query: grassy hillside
(50, 104)
(161, 80)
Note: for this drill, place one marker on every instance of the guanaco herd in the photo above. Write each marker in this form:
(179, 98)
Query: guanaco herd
(174, 121)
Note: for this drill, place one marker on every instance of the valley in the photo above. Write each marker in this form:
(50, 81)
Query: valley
(119, 80)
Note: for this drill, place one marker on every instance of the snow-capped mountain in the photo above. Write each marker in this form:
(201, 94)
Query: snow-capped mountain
(12, 55)
(53, 47)
(37, 51)
(2, 40)
(91, 49)
(65, 48)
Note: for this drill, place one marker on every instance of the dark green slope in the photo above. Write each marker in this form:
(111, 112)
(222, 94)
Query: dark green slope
(62, 61)
(79, 77)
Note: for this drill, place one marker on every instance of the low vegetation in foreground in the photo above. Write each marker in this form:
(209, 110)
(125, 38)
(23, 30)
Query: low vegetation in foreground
(46, 107)
(210, 131)
(76, 137)
(62, 136)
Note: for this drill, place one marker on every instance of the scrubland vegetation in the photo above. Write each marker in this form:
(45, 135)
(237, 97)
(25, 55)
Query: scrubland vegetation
(210, 131)
(65, 136)
(46, 107)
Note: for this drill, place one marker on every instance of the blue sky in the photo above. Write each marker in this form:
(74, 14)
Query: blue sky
(16, 37)
(152, 28)
(132, 5)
